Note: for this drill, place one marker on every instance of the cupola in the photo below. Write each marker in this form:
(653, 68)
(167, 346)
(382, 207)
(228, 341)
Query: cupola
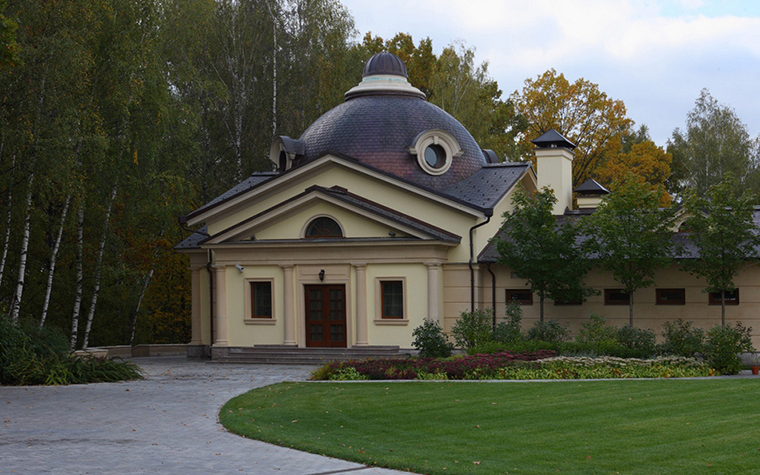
(384, 73)
(589, 194)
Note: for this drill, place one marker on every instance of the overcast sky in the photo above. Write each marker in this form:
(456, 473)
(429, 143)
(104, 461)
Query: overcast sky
(655, 56)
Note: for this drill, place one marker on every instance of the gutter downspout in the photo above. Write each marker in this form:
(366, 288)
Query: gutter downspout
(493, 293)
(488, 214)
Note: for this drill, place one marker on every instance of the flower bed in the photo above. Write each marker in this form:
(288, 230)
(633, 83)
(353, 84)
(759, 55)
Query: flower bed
(538, 365)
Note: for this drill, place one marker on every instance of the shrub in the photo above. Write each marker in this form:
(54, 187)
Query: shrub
(596, 330)
(431, 341)
(549, 331)
(723, 346)
(682, 339)
(473, 328)
(31, 355)
(640, 342)
(510, 330)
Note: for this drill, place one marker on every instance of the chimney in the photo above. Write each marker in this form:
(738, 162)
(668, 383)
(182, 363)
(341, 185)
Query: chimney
(589, 194)
(554, 160)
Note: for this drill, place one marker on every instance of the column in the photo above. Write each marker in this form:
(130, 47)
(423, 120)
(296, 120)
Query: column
(433, 269)
(289, 305)
(220, 306)
(195, 305)
(361, 305)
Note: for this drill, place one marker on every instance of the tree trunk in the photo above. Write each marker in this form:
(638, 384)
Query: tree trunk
(146, 282)
(16, 300)
(98, 268)
(53, 254)
(723, 308)
(541, 307)
(80, 276)
(8, 217)
(630, 309)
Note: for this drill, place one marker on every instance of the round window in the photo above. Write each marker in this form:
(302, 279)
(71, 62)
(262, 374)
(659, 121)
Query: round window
(435, 156)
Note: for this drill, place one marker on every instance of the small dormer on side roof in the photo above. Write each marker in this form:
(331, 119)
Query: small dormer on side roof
(589, 194)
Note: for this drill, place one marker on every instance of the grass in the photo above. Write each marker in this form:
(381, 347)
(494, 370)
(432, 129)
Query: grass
(570, 427)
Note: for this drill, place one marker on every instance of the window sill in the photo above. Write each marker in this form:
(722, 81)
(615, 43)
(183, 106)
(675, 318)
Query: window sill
(392, 321)
(259, 321)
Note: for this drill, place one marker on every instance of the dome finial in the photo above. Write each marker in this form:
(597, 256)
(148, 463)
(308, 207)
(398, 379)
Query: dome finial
(385, 73)
(385, 63)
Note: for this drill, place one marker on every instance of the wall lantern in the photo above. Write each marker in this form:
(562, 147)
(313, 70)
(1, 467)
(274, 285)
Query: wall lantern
(322, 275)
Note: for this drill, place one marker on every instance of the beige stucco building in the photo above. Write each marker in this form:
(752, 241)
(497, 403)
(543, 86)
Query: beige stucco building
(378, 217)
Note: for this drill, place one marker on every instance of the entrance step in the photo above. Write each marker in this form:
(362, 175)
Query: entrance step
(280, 354)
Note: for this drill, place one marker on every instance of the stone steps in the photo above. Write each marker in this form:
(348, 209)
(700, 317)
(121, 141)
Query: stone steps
(278, 354)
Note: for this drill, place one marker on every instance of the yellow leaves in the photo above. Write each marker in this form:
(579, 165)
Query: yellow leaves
(580, 111)
(646, 163)
(134, 156)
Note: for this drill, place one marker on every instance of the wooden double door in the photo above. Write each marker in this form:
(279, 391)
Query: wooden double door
(325, 316)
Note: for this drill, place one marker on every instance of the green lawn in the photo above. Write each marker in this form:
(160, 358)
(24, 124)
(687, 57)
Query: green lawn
(600, 427)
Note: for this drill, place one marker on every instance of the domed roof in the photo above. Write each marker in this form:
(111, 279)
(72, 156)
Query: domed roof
(385, 63)
(380, 126)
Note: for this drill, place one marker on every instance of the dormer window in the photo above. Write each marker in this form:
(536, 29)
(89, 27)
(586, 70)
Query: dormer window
(323, 227)
(435, 151)
(284, 151)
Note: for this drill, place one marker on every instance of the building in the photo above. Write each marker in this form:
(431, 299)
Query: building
(378, 217)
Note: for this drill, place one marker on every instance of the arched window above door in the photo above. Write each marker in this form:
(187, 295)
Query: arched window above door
(323, 227)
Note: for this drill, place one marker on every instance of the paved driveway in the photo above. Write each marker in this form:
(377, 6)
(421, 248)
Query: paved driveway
(166, 423)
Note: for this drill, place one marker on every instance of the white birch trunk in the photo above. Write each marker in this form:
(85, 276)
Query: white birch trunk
(80, 276)
(98, 269)
(53, 255)
(16, 301)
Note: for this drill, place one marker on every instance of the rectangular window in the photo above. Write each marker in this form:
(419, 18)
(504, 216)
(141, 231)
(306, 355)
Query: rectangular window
(732, 298)
(392, 298)
(261, 299)
(570, 301)
(670, 297)
(521, 296)
(616, 297)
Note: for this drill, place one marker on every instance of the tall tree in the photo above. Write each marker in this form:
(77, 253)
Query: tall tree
(639, 158)
(590, 119)
(714, 143)
(631, 236)
(721, 225)
(543, 250)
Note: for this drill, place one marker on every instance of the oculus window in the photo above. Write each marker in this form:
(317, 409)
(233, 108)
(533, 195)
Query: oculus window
(435, 151)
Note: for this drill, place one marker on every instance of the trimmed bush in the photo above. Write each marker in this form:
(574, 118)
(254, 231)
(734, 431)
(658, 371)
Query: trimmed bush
(431, 341)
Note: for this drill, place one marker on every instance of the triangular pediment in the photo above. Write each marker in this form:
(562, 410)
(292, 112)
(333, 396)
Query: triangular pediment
(359, 218)
(261, 187)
